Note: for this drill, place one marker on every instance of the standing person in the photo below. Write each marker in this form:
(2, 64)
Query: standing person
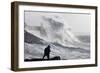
(47, 52)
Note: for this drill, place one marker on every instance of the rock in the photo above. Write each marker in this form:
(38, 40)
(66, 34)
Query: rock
(40, 59)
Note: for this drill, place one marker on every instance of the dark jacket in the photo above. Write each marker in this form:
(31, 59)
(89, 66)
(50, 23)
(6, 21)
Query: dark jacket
(47, 50)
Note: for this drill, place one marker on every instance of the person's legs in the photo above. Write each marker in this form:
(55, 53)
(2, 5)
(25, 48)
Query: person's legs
(43, 56)
(48, 56)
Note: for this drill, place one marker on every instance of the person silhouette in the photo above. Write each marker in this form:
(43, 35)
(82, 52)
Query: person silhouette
(47, 52)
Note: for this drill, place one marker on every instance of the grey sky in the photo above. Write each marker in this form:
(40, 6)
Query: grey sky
(79, 23)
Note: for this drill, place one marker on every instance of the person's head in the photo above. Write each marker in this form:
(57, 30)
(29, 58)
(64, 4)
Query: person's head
(49, 46)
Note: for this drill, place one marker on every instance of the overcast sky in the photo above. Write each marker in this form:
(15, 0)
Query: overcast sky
(79, 23)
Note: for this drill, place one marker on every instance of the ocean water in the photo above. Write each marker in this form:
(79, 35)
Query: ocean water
(65, 53)
(54, 31)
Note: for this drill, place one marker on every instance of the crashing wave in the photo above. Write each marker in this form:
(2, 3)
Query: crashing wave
(55, 29)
